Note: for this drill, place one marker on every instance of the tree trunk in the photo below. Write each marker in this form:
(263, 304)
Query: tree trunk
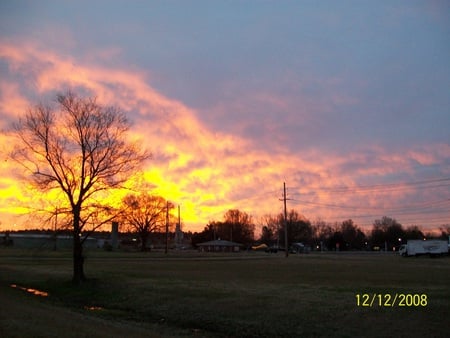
(78, 259)
(144, 240)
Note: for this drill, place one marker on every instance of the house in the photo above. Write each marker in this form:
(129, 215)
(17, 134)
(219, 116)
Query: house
(219, 246)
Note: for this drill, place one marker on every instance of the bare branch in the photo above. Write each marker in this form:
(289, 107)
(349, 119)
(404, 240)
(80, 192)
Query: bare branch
(79, 148)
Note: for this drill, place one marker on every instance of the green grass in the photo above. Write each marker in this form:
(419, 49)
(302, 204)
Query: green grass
(242, 295)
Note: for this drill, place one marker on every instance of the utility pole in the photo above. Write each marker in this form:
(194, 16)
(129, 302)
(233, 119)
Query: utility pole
(286, 246)
(54, 231)
(178, 232)
(167, 228)
(179, 217)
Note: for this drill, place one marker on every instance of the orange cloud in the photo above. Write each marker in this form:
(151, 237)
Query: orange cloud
(206, 171)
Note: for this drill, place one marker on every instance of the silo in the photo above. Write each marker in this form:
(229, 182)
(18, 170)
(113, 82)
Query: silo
(115, 235)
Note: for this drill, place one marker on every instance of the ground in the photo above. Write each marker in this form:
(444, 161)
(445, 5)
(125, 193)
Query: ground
(233, 295)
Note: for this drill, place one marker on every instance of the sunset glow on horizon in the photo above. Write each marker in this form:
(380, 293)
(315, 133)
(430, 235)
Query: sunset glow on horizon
(353, 120)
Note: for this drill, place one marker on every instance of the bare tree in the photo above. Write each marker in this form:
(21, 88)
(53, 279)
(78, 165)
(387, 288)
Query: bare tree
(386, 232)
(239, 225)
(299, 227)
(269, 231)
(145, 214)
(80, 148)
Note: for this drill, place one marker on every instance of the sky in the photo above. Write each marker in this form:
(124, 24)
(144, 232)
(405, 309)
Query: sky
(347, 102)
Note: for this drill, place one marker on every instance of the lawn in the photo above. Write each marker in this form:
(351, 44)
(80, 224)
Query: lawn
(232, 295)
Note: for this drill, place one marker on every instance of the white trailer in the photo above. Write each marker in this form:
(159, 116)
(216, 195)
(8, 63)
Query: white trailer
(424, 247)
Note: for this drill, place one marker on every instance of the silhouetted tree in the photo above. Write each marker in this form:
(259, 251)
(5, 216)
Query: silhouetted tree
(413, 232)
(352, 236)
(80, 148)
(445, 231)
(145, 214)
(240, 226)
(269, 230)
(337, 240)
(237, 227)
(208, 234)
(322, 233)
(386, 231)
(299, 228)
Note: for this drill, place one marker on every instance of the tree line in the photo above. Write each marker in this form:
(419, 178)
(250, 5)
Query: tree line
(386, 233)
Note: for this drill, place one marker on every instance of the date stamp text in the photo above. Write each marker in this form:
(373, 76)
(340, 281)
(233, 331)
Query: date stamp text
(391, 300)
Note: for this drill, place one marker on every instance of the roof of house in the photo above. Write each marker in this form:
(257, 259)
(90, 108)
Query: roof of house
(219, 242)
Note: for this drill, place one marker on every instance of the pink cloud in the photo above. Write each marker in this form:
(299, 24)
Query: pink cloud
(207, 170)
(12, 102)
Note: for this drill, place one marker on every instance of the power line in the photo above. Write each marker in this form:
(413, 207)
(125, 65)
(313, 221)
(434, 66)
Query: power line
(383, 187)
(397, 209)
(432, 213)
(429, 212)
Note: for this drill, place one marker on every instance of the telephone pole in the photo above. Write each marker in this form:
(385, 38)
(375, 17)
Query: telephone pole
(167, 228)
(55, 228)
(286, 245)
(178, 232)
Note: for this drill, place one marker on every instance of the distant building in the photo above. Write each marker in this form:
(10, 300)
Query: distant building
(44, 241)
(219, 246)
(178, 237)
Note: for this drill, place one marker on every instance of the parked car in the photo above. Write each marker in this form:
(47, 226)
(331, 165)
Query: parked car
(297, 248)
(272, 249)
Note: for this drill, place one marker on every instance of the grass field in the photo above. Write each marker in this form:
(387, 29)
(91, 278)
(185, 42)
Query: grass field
(233, 295)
